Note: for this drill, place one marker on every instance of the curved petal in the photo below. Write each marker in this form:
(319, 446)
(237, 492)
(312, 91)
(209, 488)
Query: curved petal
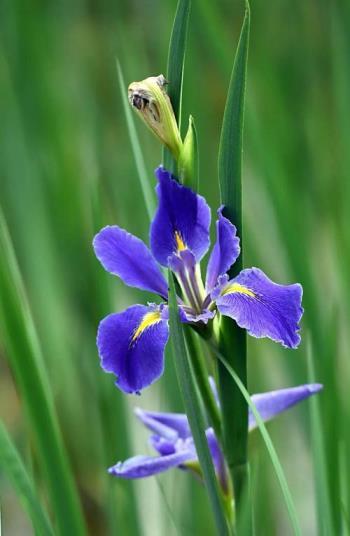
(162, 429)
(225, 251)
(174, 421)
(126, 256)
(274, 402)
(264, 308)
(181, 222)
(131, 345)
(142, 466)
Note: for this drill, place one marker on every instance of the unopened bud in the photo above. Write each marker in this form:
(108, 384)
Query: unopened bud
(152, 103)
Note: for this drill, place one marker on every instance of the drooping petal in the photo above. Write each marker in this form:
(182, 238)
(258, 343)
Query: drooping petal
(126, 256)
(143, 466)
(175, 421)
(264, 308)
(225, 251)
(131, 345)
(274, 402)
(181, 222)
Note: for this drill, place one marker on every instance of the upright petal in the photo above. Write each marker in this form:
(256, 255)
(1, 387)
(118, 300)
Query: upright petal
(181, 222)
(225, 251)
(131, 345)
(126, 256)
(143, 466)
(264, 308)
(274, 402)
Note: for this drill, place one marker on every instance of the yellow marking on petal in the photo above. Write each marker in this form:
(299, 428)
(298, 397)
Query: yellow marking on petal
(236, 287)
(180, 244)
(148, 320)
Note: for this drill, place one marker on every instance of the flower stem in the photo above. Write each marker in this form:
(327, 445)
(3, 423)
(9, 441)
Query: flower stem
(201, 375)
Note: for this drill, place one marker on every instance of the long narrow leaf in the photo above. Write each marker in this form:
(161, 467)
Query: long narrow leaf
(12, 466)
(193, 409)
(232, 341)
(147, 191)
(175, 68)
(324, 518)
(27, 364)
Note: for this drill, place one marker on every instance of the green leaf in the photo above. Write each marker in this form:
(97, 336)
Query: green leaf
(268, 443)
(193, 409)
(231, 140)
(24, 354)
(12, 466)
(147, 191)
(324, 518)
(232, 339)
(175, 68)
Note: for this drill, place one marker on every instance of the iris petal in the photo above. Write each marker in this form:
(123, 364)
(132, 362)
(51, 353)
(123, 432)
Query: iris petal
(225, 251)
(181, 221)
(126, 256)
(134, 355)
(270, 404)
(264, 308)
(143, 466)
(175, 421)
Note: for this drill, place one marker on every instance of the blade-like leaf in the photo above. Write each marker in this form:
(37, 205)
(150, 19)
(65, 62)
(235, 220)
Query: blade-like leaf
(268, 443)
(232, 339)
(147, 191)
(175, 68)
(193, 408)
(324, 518)
(24, 354)
(12, 466)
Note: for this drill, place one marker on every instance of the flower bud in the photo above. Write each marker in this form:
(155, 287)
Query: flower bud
(152, 103)
(188, 160)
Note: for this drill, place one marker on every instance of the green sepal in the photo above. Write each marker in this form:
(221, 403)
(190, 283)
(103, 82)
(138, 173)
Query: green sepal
(188, 165)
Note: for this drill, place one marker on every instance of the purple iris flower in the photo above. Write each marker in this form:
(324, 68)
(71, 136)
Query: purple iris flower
(131, 343)
(174, 444)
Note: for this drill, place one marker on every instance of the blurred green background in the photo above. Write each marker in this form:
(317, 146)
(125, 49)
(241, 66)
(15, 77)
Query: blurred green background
(67, 169)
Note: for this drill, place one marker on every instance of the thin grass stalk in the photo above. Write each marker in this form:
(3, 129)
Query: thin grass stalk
(27, 363)
(175, 69)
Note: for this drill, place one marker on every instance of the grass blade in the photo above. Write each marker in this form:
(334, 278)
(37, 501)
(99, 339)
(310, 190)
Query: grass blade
(193, 409)
(324, 517)
(175, 68)
(12, 466)
(232, 341)
(27, 364)
(147, 191)
(268, 443)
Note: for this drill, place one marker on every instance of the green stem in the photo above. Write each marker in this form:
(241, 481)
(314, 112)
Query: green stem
(231, 339)
(201, 375)
(234, 408)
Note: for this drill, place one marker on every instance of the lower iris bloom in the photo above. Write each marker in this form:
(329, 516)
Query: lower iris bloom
(174, 444)
(131, 343)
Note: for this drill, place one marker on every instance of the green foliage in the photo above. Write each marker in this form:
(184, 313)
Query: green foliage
(193, 408)
(12, 466)
(232, 339)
